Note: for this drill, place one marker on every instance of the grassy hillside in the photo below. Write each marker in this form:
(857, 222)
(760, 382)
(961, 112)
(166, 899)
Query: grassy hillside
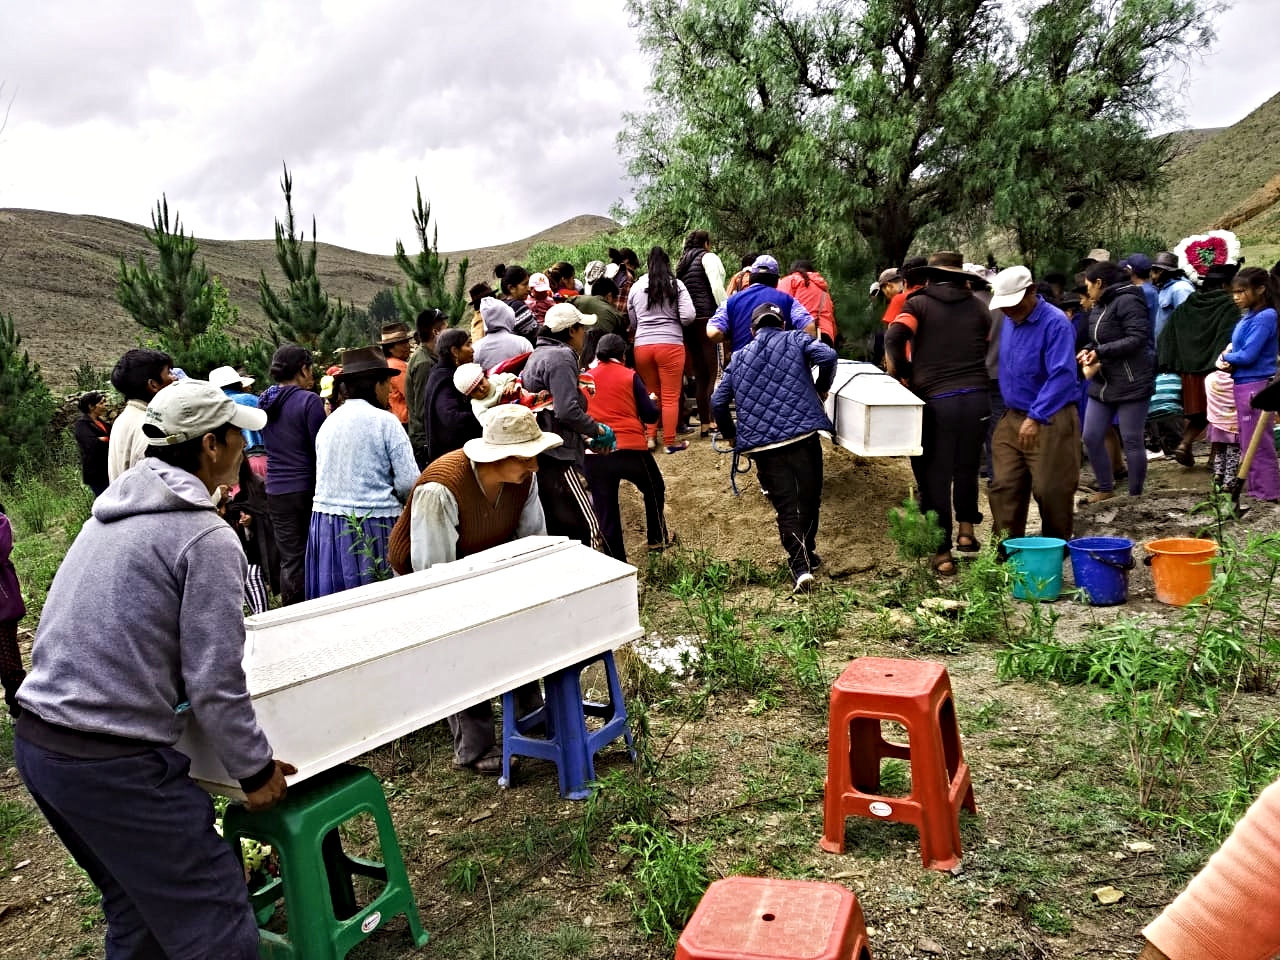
(1231, 171)
(58, 275)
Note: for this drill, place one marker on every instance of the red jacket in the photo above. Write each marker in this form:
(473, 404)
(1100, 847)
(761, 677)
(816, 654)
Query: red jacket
(811, 290)
(621, 402)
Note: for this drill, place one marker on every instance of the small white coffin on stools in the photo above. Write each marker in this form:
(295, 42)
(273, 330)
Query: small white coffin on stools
(336, 677)
(873, 414)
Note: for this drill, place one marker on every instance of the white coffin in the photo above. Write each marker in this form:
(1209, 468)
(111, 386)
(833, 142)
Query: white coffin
(336, 677)
(873, 414)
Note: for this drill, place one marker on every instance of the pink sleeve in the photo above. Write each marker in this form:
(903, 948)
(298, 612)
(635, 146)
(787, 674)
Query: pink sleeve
(1231, 908)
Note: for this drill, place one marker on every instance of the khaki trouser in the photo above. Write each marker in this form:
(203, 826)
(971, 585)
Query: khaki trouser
(1050, 473)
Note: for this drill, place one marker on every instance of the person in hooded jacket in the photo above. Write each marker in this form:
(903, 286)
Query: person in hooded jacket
(810, 287)
(500, 341)
(938, 346)
(12, 610)
(1121, 341)
(447, 414)
(294, 417)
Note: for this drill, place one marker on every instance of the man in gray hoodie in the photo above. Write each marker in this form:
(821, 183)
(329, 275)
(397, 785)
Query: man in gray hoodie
(142, 628)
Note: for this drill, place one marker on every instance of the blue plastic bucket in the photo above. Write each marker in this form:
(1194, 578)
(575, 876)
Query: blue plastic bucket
(1036, 566)
(1100, 566)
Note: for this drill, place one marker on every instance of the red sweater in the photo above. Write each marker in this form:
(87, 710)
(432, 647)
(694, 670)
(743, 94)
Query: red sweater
(622, 402)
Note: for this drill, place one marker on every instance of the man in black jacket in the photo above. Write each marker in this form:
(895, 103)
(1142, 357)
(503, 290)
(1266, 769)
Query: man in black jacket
(446, 414)
(562, 485)
(702, 272)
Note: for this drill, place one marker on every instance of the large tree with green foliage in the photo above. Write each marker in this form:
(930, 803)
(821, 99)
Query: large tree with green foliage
(26, 405)
(427, 274)
(174, 299)
(302, 313)
(816, 127)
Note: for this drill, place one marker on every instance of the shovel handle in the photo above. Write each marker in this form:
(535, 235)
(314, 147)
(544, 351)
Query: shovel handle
(1262, 427)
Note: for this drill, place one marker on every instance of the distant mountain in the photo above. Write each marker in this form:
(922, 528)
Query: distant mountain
(58, 278)
(1227, 178)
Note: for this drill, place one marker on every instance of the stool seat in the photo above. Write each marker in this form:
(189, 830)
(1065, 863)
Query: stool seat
(324, 919)
(568, 742)
(917, 695)
(756, 918)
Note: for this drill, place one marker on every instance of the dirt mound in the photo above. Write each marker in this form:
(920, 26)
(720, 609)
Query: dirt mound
(703, 512)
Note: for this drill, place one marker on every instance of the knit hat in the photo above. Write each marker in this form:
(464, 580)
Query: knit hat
(467, 377)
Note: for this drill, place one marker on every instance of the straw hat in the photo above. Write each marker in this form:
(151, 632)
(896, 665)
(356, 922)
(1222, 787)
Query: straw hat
(509, 430)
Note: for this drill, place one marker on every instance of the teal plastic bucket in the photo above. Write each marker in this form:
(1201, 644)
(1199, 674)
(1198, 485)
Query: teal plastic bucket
(1036, 566)
(1100, 567)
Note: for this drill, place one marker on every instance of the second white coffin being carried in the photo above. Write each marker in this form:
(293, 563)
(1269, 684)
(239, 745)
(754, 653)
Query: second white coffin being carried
(336, 677)
(872, 413)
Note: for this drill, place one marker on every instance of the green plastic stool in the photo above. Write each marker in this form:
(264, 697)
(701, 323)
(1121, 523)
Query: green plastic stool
(324, 920)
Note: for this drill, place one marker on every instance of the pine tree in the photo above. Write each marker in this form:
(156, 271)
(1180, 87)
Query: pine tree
(427, 273)
(174, 300)
(26, 406)
(302, 313)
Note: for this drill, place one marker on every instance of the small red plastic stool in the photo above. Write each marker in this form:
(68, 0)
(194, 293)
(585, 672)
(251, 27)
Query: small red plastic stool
(916, 694)
(753, 918)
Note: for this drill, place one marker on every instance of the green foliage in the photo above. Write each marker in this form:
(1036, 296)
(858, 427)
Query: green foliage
(382, 307)
(426, 285)
(174, 300)
(464, 874)
(302, 313)
(851, 125)
(917, 535)
(1173, 688)
(670, 873)
(358, 329)
(215, 345)
(88, 377)
(26, 406)
(542, 254)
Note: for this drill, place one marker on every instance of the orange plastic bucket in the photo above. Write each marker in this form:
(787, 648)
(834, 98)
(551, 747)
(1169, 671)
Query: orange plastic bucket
(1181, 569)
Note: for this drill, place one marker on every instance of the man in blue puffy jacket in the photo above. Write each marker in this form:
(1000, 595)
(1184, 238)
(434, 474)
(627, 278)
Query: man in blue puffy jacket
(779, 417)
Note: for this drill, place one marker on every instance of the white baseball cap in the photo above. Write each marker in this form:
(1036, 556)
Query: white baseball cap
(190, 408)
(564, 315)
(1010, 286)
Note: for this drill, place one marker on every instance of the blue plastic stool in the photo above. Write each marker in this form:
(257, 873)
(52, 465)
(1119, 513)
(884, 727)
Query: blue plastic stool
(324, 920)
(563, 715)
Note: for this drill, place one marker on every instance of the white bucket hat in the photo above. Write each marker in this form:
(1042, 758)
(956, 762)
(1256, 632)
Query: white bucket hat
(223, 377)
(510, 430)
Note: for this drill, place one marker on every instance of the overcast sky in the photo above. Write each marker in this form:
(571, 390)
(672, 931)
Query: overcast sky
(112, 102)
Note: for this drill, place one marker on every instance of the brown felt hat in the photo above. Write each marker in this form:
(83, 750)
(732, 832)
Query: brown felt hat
(365, 362)
(393, 333)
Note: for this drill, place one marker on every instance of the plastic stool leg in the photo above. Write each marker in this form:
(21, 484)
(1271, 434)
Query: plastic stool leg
(564, 698)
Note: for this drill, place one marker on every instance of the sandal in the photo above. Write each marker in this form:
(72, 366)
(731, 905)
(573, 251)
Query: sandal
(967, 543)
(490, 765)
(1184, 455)
(944, 565)
(1097, 497)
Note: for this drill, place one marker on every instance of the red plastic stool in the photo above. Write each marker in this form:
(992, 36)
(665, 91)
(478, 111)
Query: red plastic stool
(916, 694)
(753, 918)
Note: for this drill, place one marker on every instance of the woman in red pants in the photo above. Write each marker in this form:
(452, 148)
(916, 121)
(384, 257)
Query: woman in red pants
(659, 308)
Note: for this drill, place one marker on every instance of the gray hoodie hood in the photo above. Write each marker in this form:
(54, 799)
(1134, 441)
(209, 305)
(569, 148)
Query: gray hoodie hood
(152, 486)
(497, 316)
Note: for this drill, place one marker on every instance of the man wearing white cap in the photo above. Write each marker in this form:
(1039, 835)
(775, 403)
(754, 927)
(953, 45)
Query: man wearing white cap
(470, 500)
(1035, 449)
(143, 629)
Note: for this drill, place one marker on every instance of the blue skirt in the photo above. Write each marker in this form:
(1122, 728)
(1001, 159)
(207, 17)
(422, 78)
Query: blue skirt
(345, 552)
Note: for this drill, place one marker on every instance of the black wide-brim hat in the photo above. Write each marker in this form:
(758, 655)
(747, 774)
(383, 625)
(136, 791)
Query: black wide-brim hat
(365, 362)
(945, 265)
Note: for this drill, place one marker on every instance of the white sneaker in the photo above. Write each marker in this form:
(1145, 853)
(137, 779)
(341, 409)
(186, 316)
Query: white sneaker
(1155, 455)
(804, 583)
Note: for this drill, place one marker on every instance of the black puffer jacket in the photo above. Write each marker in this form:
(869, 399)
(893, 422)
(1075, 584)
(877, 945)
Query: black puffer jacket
(1121, 332)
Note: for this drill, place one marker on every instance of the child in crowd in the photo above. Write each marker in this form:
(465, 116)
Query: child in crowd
(487, 390)
(540, 299)
(1223, 431)
(245, 510)
(12, 609)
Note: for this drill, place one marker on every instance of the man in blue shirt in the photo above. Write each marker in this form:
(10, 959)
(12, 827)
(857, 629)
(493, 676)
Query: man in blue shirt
(1035, 450)
(1138, 266)
(1172, 287)
(732, 319)
(236, 387)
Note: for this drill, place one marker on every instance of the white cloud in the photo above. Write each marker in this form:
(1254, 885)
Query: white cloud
(506, 112)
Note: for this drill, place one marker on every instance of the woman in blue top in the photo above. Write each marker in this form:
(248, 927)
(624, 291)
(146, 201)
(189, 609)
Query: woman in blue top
(1250, 358)
(364, 471)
